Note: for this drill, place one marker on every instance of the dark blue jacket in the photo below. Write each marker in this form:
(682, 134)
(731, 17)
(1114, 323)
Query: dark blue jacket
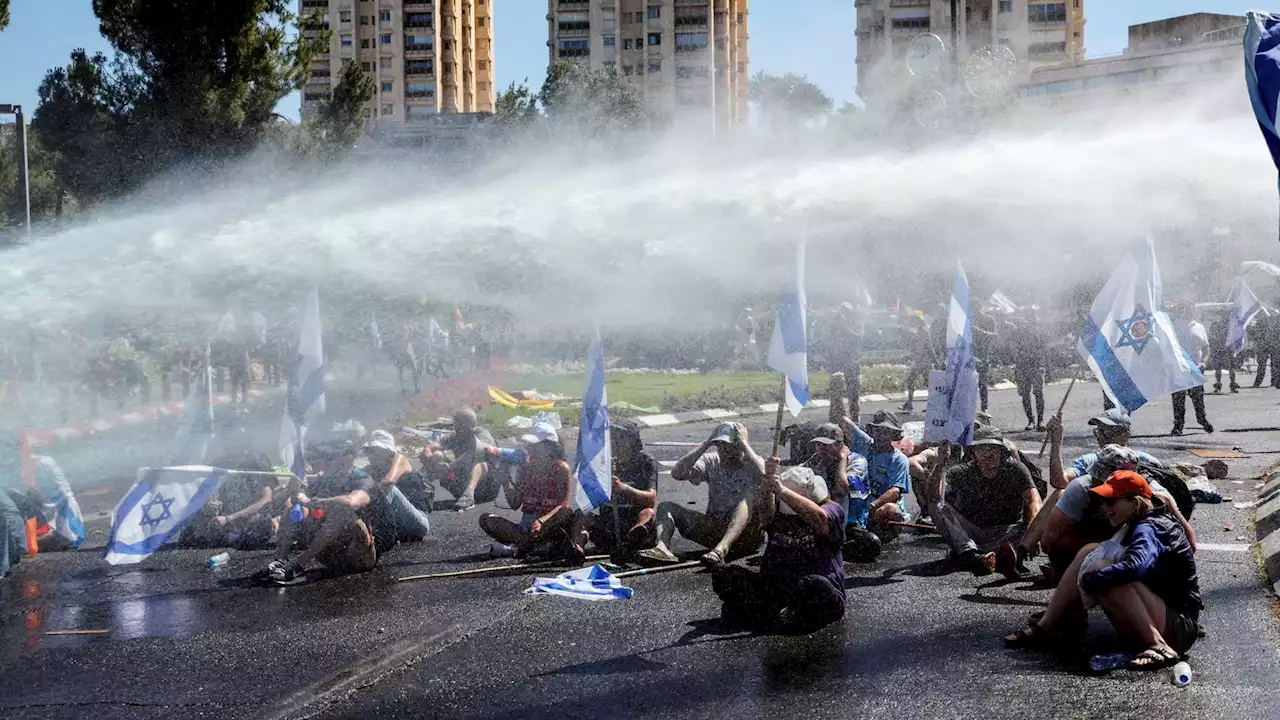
(1158, 555)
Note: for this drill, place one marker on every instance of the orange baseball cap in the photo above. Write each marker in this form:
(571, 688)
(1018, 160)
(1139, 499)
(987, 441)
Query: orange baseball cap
(1123, 483)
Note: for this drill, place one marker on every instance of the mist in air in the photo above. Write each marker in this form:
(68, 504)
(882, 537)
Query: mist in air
(677, 231)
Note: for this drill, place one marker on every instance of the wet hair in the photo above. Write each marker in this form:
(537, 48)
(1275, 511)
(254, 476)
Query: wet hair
(626, 433)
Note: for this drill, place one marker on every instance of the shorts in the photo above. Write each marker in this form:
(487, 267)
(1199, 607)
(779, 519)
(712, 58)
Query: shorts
(1180, 631)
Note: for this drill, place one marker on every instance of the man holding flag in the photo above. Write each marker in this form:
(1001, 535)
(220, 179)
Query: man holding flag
(1244, 309)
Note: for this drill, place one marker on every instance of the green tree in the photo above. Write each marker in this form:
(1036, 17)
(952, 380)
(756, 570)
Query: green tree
(789, 96)
(4, 14)
(341, 119)
(596, 100)
(517, 105)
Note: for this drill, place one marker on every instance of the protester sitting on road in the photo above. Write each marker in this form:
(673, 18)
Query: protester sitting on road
(1078, 519)
(543, 491)
(346, 531)
(389, 467)
(1150, 592)
(459, 463)
(635, 493)
(732, 471)
(800, 585)
(845, 473)
(240, 515)
(888, 472)
(985, 505)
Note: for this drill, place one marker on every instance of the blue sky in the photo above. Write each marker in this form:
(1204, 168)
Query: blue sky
(818, 42)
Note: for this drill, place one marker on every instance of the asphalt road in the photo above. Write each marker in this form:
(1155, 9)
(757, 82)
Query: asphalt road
(189, 642)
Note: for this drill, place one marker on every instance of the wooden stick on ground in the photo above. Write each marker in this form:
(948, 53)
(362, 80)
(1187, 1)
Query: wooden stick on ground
(1058, 414)
(542, 565)
(77, 632)
(660, 569)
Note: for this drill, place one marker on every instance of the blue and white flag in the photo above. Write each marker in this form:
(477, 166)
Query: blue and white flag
(962, 370)
(196, 429)
(1128, 339)
(62, 508)
(1262, 73)
(306, 387)
(593, 583)
(594, 465)
(788, 350)
(1244, 308)
(157, 507)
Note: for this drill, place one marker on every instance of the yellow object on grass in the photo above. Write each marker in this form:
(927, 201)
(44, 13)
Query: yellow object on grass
(506, 400)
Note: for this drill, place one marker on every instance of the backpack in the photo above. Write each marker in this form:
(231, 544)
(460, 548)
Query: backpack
(797, 437)
(1174, 483)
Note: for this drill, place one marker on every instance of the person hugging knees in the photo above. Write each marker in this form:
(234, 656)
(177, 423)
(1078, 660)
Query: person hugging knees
(733, 471)
(800, 585)
(1144, 578)
(543, 490)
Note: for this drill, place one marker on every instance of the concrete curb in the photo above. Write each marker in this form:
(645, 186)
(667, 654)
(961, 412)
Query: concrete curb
(1267, 525)
(717, 414)
(52, 436)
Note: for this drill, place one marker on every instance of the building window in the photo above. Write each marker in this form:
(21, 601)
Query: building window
(1047, 48)
(655, 67)
(418, 42)
(385, 38)
(388, 86)
(740, 18)
(482, 64)
(479, 22)
(366, 66)
(1047, 12)
(364, 43)
(1076, 34)
(448, 44)
(384, 63)
(655, 13)
(384, 16)
(655, 39)
(346, 41)
(689, 42)
(911, 23)
(626, 44)
(610, 40)
(1006, 6)
(364, 19)
(344, 16)
(575, 48)
(1076, 4)
(388, 109)
(640, 16)
(628, 70)
(320, 73)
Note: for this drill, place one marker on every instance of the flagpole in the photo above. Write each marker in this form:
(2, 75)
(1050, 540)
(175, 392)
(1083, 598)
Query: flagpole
(777, 421)
(1061, 406)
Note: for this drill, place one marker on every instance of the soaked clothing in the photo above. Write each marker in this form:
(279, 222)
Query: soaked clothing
(727, 485)
(542, 492)
(989, 502)
(885, 470)
(1158, 555)
(377, 515)
(796, 550)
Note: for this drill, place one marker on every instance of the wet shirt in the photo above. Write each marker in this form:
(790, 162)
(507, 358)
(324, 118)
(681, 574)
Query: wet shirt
(377, 514)
(885, 470)
(726, 486)
(989, 502)
(642, 474)
(1074, 502)
(541, 492)
(1157, 554)
(1193, 339)
(795, 549)
(1084, 464)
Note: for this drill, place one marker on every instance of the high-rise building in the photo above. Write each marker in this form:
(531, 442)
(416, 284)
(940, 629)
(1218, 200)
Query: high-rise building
(665, 48)
(426, 57)
(1038, 33)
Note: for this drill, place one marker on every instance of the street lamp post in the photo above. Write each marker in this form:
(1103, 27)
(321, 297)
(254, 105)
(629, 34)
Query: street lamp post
(20, 133)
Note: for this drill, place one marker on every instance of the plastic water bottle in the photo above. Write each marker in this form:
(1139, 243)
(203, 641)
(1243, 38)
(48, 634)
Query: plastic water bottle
(295, 513)
(219, 560)
(1109, 661)
(1182, 674)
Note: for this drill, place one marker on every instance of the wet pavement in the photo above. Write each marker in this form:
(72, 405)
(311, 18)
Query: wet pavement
(187, 641)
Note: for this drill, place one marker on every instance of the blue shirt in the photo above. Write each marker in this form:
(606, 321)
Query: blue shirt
(885, 470)
(1083, 464)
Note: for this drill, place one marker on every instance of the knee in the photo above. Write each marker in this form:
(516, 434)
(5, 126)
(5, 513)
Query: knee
(486, 522)
(646, 516)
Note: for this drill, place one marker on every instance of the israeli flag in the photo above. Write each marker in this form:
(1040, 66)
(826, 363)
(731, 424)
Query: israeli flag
(962, 370)
(1262, 73)
(593, 583)
(157, 507)
(594, 469)
(62, 508)
(788, 351)
(1128, 339)
(306, 387)
(196, 428)
(1244, 308)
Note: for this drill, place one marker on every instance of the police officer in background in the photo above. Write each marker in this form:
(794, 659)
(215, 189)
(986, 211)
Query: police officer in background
(1266, 338)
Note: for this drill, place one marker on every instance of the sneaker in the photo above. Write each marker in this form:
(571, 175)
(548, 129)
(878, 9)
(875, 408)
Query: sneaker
(1207, 427)
(466, 502)
(908, 406)
(980, 565)
(291, 574)
(502, 550)
(1176, 431)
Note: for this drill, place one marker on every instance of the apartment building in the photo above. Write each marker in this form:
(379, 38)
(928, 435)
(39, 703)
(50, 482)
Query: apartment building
(426, 56)
(1038, 33)
(667, 48)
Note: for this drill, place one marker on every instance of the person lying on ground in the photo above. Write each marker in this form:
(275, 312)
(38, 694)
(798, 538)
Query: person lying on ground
(888, 473)
(389, 467)
(1077, 518)
(635, 493)
(985, 505)
(459, 462)
(800, 585)
(345, 532)
(1150, 593)
(732, 471)
(543, 490)
(241, 514)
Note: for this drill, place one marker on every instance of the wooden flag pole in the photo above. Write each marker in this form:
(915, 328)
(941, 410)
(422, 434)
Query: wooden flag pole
(777, 421)
(499, 569)
(660, 569)
(1058, 415)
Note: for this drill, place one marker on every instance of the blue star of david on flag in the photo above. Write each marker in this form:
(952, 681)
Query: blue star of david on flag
(157, 500)
(1135, 331)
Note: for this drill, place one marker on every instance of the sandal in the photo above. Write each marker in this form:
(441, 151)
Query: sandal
(1155, 657)
(665, 557)
(712, 558)
(1031, 636)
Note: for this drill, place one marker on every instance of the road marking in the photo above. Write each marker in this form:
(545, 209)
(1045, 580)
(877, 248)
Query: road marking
(1220, 547)
(718, 413)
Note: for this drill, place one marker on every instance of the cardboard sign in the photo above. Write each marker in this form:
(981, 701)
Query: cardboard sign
(950, 411)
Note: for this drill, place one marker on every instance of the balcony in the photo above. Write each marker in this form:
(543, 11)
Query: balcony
(315, 4)
(417, 7)
(573, 4)
(421, 95)
(419, 23)
(692, 21)
(418, 50)
(692, 48)
(574, 52)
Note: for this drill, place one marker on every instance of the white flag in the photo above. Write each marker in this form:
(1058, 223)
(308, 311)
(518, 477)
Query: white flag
(788, 351)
